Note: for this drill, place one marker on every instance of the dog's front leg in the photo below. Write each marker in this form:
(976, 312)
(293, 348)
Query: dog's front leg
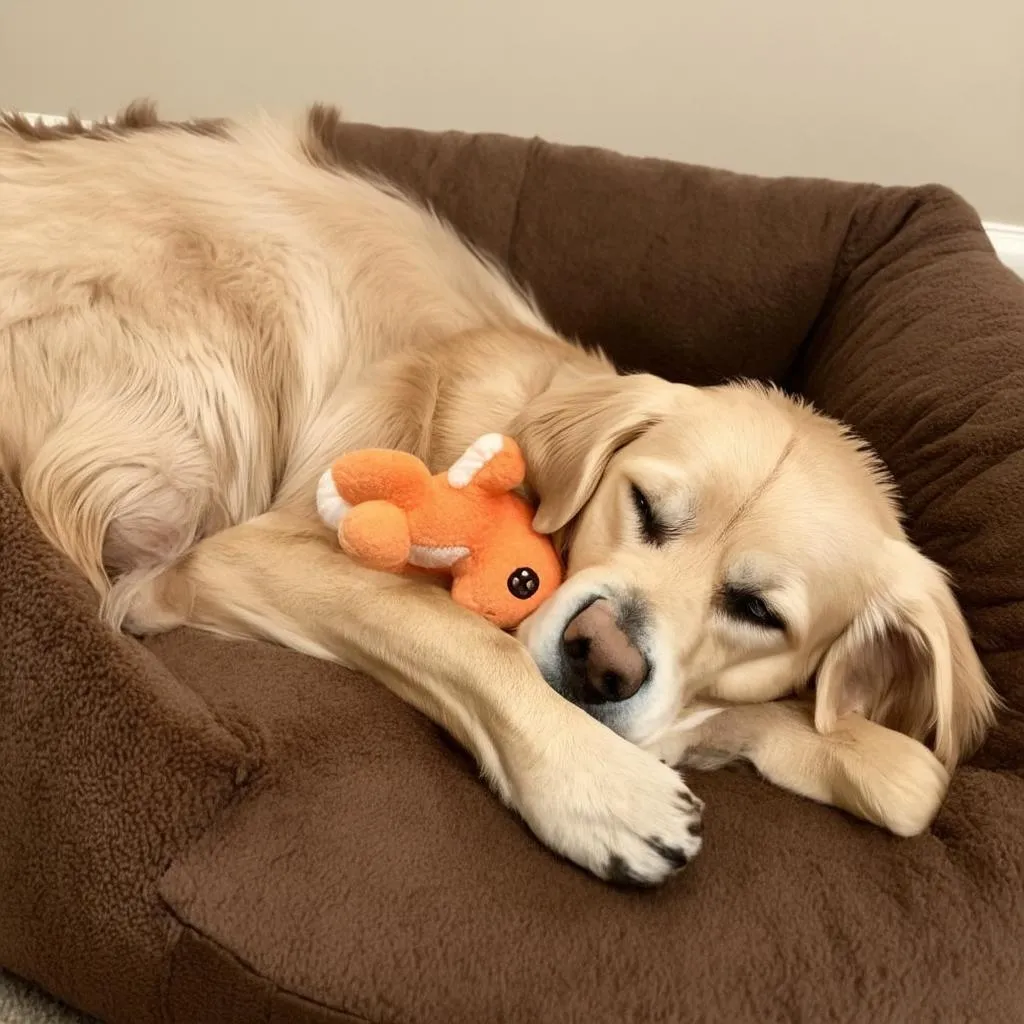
(584, 791)
(864, 768)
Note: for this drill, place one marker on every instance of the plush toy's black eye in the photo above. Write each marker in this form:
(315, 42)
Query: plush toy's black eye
(523, 583)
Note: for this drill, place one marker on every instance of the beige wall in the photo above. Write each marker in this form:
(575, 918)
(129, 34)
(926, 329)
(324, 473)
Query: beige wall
(900, 91)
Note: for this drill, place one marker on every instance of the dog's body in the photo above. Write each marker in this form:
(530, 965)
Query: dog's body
(192, 327)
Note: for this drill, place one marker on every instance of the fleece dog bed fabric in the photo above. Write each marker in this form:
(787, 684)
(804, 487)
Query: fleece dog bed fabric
(198, 831)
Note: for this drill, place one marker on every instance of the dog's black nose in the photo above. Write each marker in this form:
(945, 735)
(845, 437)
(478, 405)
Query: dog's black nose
(603, 663)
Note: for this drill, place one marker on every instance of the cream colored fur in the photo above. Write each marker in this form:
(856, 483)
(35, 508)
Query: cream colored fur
(192, 328)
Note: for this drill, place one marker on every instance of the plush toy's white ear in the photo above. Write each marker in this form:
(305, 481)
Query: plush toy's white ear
(476, 456)
(329, 503)
(907, 662)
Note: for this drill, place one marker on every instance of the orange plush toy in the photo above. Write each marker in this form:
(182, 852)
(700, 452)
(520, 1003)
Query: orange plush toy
(392, 515)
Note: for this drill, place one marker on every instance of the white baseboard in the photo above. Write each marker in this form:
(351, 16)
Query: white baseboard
(1008, 239)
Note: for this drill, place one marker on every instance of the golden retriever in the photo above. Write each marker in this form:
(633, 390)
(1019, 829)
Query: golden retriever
(193, 326)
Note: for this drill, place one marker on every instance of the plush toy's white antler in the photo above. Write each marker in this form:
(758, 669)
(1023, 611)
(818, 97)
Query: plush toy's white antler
(329, 503)
(479, 453)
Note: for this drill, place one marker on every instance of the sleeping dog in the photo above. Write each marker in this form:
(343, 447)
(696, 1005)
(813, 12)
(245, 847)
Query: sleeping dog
(194, 324)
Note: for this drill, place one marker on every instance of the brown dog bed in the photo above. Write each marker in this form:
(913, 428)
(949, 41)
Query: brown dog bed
(198, 831)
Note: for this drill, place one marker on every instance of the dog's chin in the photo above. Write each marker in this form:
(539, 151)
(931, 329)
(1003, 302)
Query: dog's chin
(653, 707)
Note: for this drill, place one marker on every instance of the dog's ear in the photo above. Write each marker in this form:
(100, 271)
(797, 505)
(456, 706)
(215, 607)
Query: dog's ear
(569, 433)
(906, 661)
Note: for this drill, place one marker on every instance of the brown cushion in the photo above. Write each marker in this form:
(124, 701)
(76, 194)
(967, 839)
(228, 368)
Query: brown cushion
(202, 831)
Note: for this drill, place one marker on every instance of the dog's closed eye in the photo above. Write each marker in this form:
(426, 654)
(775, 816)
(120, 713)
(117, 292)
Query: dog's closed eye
(654, 528)
(749, 607)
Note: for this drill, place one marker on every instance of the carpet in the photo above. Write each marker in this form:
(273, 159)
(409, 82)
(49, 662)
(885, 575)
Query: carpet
(22, 1003)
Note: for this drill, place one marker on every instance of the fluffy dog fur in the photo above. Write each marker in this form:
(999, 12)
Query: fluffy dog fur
(194, 321)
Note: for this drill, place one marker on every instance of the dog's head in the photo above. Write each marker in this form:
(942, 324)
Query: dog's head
(732, 543)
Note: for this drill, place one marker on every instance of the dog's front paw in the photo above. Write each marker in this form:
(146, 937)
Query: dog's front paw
(888, 778)
(609, 806)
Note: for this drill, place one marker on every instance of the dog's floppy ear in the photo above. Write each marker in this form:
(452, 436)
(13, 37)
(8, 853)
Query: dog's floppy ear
(906, 661)
(569, 433)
